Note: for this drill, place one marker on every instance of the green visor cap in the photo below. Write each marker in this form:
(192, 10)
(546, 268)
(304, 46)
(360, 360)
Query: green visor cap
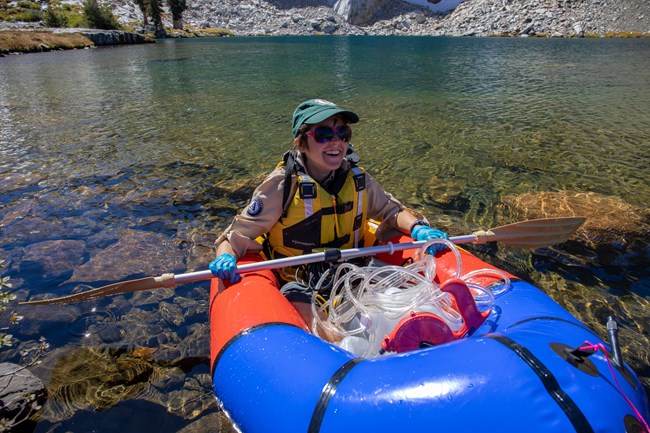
(315, 111)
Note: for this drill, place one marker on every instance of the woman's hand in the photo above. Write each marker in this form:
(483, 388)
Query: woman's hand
(225, 268)
(424, 233)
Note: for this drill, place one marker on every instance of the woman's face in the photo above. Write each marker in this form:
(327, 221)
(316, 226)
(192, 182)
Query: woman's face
(322, 158)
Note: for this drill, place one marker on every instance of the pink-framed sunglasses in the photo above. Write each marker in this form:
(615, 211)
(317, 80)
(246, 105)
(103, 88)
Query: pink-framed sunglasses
(323, 134)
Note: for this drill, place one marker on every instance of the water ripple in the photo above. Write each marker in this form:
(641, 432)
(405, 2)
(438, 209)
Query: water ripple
(90, 323)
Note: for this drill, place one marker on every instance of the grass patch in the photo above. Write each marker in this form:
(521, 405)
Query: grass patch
(25, 41)
(197, 32)
(573, 36)
(626, 35)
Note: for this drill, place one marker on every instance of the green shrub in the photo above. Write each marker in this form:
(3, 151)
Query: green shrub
(64, 17)
(29, 5)
(98, 16)
(25, 15)
(75, 20)
(54, 17)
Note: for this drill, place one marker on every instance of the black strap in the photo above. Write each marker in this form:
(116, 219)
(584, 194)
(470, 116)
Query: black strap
(289, 167)
(328, 392)
(338, 209)
(566, 403)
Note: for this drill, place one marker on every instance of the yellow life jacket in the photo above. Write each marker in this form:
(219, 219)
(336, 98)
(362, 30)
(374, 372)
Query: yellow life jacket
(315, 218)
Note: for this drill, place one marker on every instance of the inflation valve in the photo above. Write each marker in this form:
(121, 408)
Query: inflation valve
(612, 331)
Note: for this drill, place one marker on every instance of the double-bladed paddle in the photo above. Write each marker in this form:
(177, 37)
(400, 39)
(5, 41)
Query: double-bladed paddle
(536, 233)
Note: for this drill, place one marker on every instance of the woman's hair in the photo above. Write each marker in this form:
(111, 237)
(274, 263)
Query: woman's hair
(302, 137)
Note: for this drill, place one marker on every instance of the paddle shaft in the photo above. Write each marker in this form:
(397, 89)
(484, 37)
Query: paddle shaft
(326, 256)
(525, 234)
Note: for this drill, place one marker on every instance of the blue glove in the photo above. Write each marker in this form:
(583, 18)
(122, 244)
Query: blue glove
(225, 268)
(424, 233)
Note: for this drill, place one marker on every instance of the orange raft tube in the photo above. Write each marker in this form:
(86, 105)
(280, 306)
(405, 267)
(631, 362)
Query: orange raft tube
(519, 371)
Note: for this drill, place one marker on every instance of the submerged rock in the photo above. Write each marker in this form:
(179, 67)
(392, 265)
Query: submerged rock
(16, 181)
(610, 220)
(21, 394)
(136, 253)
(57, 257)
(610, 249)
(24, 230)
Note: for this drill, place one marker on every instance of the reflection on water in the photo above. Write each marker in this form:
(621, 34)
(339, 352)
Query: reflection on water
(126, 162)
(88, 378)
(91, 379)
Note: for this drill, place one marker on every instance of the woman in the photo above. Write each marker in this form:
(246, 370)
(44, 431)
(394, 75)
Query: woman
(316, 198)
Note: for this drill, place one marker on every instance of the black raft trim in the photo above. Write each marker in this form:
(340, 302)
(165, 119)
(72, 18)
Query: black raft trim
(568, 406)
(328, 392)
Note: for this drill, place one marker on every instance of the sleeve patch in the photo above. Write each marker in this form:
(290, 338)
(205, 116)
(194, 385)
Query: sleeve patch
(255, 207)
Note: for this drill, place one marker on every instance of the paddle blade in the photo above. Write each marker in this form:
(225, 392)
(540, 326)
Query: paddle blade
(165, 280)
(533, 233)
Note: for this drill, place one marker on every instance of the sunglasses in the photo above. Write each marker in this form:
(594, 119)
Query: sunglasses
(323, 134)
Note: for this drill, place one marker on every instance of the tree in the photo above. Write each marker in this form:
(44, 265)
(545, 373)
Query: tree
(155, 7)
(177, 7)
(54, 17)
(142, 4)
(98, 16)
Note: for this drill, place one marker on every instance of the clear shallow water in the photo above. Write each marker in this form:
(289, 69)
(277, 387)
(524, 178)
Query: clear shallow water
(123, 162)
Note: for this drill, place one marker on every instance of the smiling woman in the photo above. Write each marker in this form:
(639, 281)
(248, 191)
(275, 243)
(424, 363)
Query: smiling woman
(317, 198)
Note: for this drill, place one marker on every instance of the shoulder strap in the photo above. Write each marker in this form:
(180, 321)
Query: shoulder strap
(289, 166)
(352, 156)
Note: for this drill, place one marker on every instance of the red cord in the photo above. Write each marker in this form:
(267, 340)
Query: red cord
(599, 346)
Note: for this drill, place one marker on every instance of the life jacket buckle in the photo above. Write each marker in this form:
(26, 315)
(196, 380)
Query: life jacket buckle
(359, 181)
(307, 190)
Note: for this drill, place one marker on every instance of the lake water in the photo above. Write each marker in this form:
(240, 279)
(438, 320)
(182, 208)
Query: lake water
(119, 163)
